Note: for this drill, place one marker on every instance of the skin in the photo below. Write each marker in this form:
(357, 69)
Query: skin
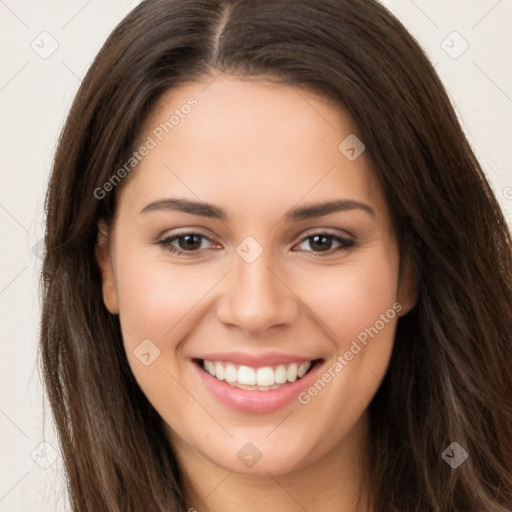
(257, 150)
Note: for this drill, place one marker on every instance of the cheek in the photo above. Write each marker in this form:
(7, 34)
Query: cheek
(156, 296)
(352, 299)
(359, 310)
(159, 302)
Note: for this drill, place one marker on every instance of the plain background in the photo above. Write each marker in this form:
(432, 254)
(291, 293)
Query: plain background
(36, 91)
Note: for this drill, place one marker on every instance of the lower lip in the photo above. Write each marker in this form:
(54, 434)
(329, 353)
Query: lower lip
(256, 401)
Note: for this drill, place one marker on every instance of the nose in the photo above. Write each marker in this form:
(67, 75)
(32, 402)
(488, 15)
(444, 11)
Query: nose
(257, 297)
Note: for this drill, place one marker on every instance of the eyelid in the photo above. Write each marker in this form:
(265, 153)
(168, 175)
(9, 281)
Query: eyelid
(346, 240)
(168, 234)
(168, 238)
(327, 231)
(302, 236)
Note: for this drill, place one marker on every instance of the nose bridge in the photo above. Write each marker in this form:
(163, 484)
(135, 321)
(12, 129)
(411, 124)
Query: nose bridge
(255, 298)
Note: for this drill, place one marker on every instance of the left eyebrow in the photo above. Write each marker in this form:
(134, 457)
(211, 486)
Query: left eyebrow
(320, 209)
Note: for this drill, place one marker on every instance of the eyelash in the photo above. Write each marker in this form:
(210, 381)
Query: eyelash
(345, 243)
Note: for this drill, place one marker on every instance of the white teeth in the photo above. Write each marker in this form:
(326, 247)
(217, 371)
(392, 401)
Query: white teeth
(245, 386)
(303, 368)
(209, 367)
(280, 376)
(291, 373)
(231, 373)
(246, 375)
(220, 373)
(262, 379)
(265, 376)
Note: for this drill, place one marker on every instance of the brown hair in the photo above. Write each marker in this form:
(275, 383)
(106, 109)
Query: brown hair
(450, 376)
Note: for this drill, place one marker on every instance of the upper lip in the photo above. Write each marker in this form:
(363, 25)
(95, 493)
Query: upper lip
(255, 360)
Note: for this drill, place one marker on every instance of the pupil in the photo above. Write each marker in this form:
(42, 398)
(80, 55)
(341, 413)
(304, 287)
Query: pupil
(321, 242)
(190, 242)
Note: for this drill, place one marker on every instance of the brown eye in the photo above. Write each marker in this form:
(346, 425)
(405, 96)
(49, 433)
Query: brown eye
(324, 243)
(190, 243)
(320, 242)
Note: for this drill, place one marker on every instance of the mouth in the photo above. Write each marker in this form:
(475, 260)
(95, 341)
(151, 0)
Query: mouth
(251, 382)
(264, 378)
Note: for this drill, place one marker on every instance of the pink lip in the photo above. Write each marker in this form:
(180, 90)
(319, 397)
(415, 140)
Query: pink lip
(255, 360)
(256, 401)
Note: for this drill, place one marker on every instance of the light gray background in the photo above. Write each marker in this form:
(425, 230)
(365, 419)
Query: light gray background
(35, 95)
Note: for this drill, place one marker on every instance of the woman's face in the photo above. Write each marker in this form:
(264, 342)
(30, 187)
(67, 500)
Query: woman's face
(252, 242)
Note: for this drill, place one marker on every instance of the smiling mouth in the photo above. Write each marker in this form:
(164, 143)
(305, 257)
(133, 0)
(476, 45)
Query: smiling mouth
(265, 378)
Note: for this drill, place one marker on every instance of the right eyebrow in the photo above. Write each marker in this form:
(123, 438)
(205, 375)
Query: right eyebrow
(187, 206)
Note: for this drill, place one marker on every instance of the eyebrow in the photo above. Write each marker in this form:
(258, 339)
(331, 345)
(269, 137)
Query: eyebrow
(208, 210)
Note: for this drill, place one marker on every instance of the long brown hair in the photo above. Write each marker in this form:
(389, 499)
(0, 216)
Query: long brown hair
(450, 377)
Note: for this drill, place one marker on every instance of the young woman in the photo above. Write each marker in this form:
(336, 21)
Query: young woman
(276, 276)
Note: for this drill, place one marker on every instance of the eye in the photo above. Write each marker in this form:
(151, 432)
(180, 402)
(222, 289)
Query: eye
(324, 242)
(190, 243)
(193, 243)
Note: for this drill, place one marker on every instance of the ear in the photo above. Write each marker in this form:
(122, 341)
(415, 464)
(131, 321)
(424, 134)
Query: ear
(104, 260)
(407, 294)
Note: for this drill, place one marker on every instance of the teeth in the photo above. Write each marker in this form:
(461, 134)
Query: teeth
(291, 373)
(265, 376)
(231, 373)
(261, 379)
(220, 373)
(246, 375)
(301, 371)
(210, 367)
(280, 376)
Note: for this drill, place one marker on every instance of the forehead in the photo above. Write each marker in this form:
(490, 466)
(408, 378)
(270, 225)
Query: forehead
(229, 140)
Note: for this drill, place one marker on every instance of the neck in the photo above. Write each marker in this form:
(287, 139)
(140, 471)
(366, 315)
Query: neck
(335, 482)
